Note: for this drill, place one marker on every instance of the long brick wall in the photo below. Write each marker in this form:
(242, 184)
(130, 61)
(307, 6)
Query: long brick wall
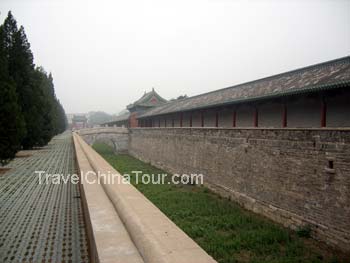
(293, 176)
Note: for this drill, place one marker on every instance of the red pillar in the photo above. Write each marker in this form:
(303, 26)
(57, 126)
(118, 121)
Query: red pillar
(181, 117)
(190, 119)
(284, 116)
(323, 114)
(133, 122)
(234, 119)
(255, 117)
(216, 119)
(202, 118)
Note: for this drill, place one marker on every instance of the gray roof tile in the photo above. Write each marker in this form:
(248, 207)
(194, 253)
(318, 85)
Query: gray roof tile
(324, 75)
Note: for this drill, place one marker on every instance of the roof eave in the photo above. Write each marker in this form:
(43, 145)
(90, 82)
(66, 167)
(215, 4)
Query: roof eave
(308, 89)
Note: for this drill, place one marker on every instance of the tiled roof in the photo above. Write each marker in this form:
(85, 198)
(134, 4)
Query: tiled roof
(146, 100)
(122, 117)
(325, 75)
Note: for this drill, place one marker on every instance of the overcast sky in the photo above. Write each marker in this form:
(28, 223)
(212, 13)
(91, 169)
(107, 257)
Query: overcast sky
(105, 54)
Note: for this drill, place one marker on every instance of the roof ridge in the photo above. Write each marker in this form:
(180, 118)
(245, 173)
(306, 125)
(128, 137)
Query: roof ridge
(337, 60)
(293, 73)
(342, 59)
(146, 96)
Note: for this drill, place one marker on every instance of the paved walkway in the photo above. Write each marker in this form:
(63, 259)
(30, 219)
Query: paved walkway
(42, 222)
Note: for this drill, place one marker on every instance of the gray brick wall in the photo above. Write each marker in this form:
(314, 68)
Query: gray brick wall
(283, 174)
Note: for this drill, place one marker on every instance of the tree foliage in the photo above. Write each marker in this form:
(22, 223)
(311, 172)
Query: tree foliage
(11, 119)
(30, 113)
(99, 117)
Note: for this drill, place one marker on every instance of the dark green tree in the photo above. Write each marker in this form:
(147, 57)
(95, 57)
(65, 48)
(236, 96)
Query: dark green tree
(57, 112)
(62, 119)
(21, 70)
(11, 120)
(9, 30)
(36, 115)
(44, 100)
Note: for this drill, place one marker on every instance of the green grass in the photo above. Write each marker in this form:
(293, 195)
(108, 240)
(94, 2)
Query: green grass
(226, 231)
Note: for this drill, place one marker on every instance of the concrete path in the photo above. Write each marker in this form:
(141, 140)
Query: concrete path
(42, 222)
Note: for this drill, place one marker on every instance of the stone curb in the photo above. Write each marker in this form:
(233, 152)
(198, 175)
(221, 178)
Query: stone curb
(108, 239)
(156, 237)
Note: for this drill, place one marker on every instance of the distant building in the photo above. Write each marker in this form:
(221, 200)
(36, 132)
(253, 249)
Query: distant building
(79, 122)
(148, 101)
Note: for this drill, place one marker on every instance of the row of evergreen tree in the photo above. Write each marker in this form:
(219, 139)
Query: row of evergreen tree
(30, 113)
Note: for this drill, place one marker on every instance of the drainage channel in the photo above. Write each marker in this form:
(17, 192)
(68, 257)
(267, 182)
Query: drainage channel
(42, 222)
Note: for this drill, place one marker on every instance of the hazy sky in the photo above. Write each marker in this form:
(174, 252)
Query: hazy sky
(105, 54)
